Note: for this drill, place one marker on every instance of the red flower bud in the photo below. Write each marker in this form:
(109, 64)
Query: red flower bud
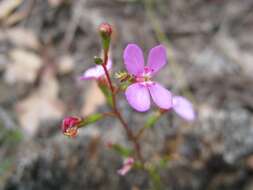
(105, 29)
(69, 126)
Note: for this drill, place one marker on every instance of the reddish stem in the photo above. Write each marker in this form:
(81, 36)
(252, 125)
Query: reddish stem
(130, 134)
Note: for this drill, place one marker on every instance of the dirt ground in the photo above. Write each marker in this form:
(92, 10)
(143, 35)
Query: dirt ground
(45, 45)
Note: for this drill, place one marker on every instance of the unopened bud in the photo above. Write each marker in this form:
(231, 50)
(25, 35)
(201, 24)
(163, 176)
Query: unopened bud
(98, 60)
(69, 126)
(105, 29)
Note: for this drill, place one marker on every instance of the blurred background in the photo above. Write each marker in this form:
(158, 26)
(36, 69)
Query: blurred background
(45, 45)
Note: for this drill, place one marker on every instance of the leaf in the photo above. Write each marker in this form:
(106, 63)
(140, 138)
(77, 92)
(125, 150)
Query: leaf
(107, 92)
(123, 151)
(151, 121)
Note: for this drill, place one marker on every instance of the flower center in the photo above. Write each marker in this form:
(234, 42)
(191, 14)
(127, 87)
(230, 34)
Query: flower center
(145, 77)
(71, 132)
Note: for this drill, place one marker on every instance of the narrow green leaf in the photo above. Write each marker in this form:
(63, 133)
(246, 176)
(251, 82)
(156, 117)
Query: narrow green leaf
(123, 151)
(107, 93)
(151, 121)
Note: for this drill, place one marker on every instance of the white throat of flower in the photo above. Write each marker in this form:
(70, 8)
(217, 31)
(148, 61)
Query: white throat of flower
(145, 77)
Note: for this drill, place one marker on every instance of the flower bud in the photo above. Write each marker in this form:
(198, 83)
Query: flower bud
(69, 126)
(105, 29)
(98, 60)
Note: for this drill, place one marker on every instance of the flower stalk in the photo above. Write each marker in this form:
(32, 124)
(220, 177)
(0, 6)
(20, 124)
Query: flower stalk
(117, 113)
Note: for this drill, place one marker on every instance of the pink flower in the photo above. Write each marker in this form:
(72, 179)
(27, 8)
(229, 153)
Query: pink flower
(138, 94)
(183, 108)
(96, 72)
(69, 126)
(127, 166)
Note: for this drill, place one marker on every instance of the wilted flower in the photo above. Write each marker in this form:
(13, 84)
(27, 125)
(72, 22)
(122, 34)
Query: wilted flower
(96, 72)
(183, 108)
(127, 166)
(138, 94)
(69, 126)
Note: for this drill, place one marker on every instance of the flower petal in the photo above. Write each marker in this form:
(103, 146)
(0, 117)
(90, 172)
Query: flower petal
(124, 170)
(160, 95)
(133, 59)
(96, 72)
(157, 58)
(109, 64)
(127, 166)
(138, 97)
(93, 73)
(183, 108)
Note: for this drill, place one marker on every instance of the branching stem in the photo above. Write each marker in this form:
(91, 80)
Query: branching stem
(118, 114)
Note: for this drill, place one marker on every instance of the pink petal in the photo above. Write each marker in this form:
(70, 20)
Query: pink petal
(129, 161)
(127, 166)
(138, 97)
(133, 59)
(157, 58)
(183, 107)
(160, 95)
(109, 64)
(93, 73)
(96, 72)
(123, 171)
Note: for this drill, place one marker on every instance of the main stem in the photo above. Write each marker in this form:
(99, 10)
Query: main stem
(130, 134)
